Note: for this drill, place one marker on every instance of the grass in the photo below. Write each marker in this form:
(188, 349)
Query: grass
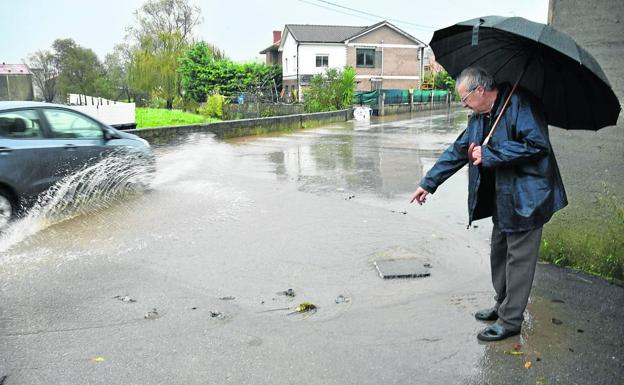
(588, 238)
(159, 117)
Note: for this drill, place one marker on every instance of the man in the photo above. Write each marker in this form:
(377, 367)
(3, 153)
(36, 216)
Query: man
(514, 179)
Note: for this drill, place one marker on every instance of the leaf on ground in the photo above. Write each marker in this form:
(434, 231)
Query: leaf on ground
(304, 307)
(513, 353)
(99, 359)
(528, 365)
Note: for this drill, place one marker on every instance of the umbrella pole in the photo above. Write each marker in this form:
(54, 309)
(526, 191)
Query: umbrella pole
(487, 139)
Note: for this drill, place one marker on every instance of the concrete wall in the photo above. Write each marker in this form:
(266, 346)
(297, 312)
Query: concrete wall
(255, 110)
(245, 127)
(393, 109)
(592, 163)
(598, 26)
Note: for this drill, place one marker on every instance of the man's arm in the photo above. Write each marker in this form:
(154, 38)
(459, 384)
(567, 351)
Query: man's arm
(454, 158)
(530, 142)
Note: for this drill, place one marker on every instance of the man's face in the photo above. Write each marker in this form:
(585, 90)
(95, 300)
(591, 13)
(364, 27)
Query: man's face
(471, 99)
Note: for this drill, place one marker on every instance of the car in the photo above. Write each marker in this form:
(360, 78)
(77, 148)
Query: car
(41, 143)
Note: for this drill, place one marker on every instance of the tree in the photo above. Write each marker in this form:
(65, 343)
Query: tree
(194, 68)
(204, 72)
(440, 80)
(116, 65)
(80, 69)
(43, 65)
(170, 16)
(163, 32)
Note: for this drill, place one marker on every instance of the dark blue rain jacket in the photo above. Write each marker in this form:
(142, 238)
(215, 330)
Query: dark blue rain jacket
(527, 187)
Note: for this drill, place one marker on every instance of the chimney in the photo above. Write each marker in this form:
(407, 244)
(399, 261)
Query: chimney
(277, 36)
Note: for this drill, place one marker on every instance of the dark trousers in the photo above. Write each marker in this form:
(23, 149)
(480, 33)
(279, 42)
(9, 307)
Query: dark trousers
(513, 259)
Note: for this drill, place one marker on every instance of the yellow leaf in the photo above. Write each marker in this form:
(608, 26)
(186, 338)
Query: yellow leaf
(528, 364)
(99, 359)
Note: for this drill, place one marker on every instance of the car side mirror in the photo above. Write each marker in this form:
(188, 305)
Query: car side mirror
(109, 134)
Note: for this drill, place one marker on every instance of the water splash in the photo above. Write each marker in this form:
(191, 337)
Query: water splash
(92, 188)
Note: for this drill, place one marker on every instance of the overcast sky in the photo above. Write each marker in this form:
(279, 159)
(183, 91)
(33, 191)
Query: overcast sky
(241, 28)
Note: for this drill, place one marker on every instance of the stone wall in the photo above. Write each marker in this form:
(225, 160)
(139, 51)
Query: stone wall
(245, 127)
(392, 109)
(258, 110)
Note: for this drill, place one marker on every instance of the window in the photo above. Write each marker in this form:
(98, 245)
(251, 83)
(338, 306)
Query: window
(365, 57)
(20, 125)
(69, 124)
(322, 60)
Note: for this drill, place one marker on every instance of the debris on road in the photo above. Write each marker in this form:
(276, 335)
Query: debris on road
(152, 314)
(217, 315)
(99, 359)
(342, 299)
(513, 353)
(528, 364)
(227, 298)
(399, 212)
(288, 293)
(305, 307)
(349, 197)
(556, 321)
(125, 298)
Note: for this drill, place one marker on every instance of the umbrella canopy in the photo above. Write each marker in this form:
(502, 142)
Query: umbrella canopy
(567, 79)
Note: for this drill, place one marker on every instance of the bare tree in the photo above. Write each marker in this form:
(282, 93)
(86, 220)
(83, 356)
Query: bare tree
(44, 66)
(166, 16)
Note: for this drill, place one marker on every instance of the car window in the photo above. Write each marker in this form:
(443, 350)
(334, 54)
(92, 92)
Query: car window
(20, 125)
(68, 124)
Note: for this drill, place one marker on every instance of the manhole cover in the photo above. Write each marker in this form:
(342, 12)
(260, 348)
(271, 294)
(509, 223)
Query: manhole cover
(403, 268)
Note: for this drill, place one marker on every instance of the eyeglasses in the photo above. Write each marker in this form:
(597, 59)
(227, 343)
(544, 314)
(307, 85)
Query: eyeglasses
(463, 100)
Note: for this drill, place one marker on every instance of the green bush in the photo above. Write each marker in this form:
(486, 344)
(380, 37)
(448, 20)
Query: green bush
(330, 91)
(213, 106)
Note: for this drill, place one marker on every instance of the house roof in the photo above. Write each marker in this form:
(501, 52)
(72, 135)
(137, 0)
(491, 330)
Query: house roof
(389, 25)
(307, 33)
(271, 48)
(14, 69)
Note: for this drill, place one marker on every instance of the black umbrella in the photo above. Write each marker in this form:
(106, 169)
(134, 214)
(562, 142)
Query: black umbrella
(565, 77)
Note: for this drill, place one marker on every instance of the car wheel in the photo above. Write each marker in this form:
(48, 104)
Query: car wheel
(6, 209)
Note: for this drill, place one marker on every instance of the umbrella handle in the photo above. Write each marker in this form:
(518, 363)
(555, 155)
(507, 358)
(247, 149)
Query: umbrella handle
(487, 138)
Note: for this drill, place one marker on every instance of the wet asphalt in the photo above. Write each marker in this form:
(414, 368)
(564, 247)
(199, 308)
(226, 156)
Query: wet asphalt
(186, 283)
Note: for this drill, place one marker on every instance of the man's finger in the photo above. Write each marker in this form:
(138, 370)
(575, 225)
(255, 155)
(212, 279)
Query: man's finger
(472, 146)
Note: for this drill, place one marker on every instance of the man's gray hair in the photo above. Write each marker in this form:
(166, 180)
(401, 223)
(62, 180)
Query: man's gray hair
(473, 77)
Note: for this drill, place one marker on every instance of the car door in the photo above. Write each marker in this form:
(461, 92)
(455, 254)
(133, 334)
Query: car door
(79, 139)
(27, 158)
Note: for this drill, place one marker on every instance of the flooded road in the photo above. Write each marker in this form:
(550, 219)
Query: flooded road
(183, 284)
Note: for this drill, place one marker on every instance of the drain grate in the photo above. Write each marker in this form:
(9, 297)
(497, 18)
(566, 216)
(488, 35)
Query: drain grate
(403, 268)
